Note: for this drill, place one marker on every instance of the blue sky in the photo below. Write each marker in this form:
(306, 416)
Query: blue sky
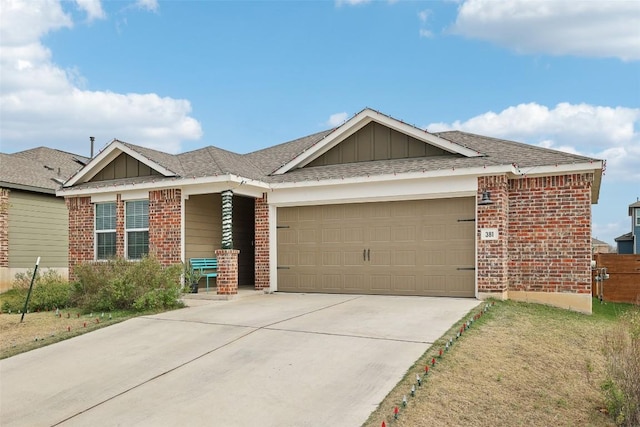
(242, 75)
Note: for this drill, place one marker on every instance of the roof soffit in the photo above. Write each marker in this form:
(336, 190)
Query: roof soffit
(109, 154)
(358, 122)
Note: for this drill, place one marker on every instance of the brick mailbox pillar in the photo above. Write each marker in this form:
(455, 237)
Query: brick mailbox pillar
(227, 280)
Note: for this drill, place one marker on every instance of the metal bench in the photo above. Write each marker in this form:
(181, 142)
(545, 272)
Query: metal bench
(207, 267)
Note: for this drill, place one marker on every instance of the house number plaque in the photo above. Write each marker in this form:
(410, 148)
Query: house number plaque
(488, 234)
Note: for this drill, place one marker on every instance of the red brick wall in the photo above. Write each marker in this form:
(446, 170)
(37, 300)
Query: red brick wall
(492, 254)
(227, 280)
(164, 225)
(262, 243)
(549, 243)
(81, 226)
(4, 227)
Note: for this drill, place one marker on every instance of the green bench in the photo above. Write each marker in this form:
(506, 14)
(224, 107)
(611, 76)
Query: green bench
(207, 267)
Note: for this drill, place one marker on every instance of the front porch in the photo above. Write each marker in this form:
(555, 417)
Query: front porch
(203, 229)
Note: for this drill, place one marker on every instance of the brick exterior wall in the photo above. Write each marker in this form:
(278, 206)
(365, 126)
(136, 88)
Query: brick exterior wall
(261, 241)
(493, 266)
(81, 226)
(550, 234)
(544, 226)
(4, 227)
(164, 226)
(227, 280)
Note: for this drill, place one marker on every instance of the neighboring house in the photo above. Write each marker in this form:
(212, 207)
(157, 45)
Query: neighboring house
(33, 221)
(374, 206)
(600, 247)
(629, 243)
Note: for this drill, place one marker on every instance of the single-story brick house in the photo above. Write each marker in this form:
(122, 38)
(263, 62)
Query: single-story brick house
(372, 206)
(33, 221)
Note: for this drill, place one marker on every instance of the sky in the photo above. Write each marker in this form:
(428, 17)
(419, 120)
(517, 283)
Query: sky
(245, 75)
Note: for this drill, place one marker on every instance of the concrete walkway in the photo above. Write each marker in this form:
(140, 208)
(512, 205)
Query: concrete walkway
(267, 360)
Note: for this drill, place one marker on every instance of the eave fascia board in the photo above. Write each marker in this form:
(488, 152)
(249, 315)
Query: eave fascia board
(106, 156)
(253, 187)
(29, 188)
(594, 167)
(477, 171)
(359, 121)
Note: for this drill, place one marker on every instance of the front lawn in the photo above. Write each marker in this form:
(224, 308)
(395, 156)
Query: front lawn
(519, 364)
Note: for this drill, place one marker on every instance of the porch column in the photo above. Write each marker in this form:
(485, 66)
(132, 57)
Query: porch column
(227, 280)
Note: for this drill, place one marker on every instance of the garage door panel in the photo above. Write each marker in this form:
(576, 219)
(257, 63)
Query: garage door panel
(353, 235)
(381, 283)
(404, 233)
(353, 258)
(404, 258)
(379, 259)
(403, 284)
(332, 235)
(331, 282)
(379, 234)
(406, 248)
(433, 232)
(355, 282)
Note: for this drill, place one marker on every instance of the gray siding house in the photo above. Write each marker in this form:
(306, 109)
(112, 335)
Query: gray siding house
(33, 221)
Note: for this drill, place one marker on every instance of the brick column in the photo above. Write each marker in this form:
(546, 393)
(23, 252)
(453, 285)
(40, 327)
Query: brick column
(4, 227)
(80, 231)
(164, 225)
(227, 280)
(493, 258)
(261, 240)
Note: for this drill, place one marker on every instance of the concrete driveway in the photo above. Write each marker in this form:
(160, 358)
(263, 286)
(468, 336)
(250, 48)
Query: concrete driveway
(268, 360)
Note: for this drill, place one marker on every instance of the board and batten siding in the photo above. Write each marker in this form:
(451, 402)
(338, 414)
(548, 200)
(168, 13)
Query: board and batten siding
(203, 225)
(38, 227)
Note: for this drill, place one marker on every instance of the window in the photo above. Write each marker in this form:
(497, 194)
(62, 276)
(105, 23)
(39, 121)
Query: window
(637, 217)
(137, 228)
(105, 229)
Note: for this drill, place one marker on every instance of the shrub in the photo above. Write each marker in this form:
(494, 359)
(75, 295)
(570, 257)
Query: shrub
(49, 291)
(121, 284)
(622, 387)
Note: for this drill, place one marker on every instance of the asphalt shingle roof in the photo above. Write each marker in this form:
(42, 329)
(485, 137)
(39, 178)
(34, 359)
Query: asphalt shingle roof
(261, 164)
(37, 168)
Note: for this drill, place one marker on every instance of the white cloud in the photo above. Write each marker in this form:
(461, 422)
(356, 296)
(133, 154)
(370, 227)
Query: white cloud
(603, 132)
(351, 2)
(562, 27)
(337, 119)
(150, 5)
(93, 8)
(425, 33)
(43, 104)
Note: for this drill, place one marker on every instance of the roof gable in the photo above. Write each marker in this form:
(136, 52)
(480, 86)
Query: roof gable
(361, 122)
(377, 142)
(107, 159)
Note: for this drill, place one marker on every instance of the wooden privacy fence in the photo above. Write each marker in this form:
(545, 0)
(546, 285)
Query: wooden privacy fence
(623, 284)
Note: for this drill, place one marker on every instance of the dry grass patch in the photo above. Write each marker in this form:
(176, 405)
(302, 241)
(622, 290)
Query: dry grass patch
(519, 365)
(44, 328)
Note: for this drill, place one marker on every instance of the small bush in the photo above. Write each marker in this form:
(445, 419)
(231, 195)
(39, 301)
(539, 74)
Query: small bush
(49, 291)
(120, 284)
(622, 387)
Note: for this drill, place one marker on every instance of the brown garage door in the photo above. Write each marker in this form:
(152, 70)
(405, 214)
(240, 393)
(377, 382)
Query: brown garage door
(418, 247)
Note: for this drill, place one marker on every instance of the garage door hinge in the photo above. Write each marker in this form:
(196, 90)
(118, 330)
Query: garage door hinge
(283, 268)
(467, 220)
(282, 226)
(465, 268)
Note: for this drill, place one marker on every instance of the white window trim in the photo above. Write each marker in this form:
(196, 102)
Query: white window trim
(96, 231)
(637, 223)
(128, 230)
